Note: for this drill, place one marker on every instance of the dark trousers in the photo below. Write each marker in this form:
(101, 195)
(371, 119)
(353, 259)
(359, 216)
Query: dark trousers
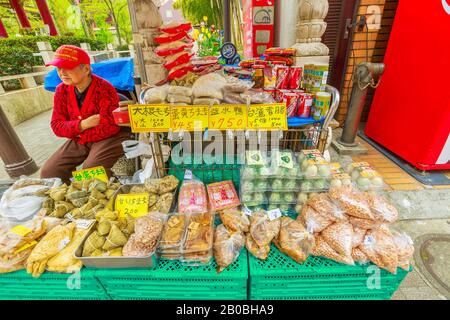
(71, 154)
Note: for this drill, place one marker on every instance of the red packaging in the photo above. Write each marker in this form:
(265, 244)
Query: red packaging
(176, 28)
(295, 78)
(121, 116)
(282, 78)
(180, 58)
(272, 92)
(167, 38)
(291, 100)
(305, 103)
(281, 93)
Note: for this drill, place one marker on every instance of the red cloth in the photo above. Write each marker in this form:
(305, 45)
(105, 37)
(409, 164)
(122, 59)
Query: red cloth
(101, 99)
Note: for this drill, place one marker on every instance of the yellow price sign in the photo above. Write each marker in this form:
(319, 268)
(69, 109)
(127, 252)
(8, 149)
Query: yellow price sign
(227, 116)
(91, 173)
(135, 205)
(267, 117)
(190, 118)
(149, 118)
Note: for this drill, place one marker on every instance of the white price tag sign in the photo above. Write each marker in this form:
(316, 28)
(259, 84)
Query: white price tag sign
(274, 214)
(247, 211)
(83, 224)
(64, 242)
(188, 175)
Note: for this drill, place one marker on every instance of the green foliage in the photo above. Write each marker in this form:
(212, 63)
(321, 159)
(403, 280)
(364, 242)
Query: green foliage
(195, 10)
(15, 60)
(30, 42)
(209, 39)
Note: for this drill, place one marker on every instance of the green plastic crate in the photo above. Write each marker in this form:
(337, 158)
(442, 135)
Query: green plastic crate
(50, 286)
(172, 280)
(281, 277)
(207, 171)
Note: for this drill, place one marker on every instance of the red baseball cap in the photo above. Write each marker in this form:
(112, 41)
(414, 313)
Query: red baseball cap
(69, 57)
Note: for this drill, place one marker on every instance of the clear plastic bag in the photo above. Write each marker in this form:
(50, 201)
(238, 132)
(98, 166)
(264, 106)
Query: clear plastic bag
(259, 252)
(199, 238)
(383, 210)
(173, 98)
(262, 229)
(181, 91)
(326, 207)
(380, 248)
(209, 86)
(353, 201)
(156, 94)
(227, 246)
(314, 165)
(405, 250)
(294, 241)
(365, 177)
(323, 249)
(235, 220)
(313, 221)
(222, 195)
(339, 237)
(192, 198)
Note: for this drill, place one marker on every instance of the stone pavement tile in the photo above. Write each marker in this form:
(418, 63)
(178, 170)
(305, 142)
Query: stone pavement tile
(413, 280)
(421, 293)
(398, 295)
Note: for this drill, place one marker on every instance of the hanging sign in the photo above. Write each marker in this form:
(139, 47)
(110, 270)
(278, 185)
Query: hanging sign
(98, 173)
(267, 117)
(228, 116)
(149, 118)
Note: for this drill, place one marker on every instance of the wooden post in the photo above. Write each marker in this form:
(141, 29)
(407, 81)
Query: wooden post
(46, 16)
(15, 157)
(111, 51)
(132, 52)
(3, 32)
(45, 49)
(20, 13)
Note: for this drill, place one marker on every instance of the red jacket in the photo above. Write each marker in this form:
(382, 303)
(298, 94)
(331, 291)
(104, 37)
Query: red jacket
(101, 99)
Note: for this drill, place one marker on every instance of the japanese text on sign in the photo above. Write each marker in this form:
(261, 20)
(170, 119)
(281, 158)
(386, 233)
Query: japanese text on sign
(135, 205)
(267, 117)
(91, 173)
(149, 118)
(190, 118)
(223, 117)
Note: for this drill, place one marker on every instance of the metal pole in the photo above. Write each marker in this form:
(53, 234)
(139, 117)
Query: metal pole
(363, 78)
(16, 159)
(226, 21)
(137, 46)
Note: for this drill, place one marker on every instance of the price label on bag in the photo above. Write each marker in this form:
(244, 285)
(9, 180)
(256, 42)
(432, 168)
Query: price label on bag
(189, 118)
(228, 116)
(27, 246)
(149, 118)
(267, 117)
(91, 173)
(135, 205)
(20, 230)
(274, 214)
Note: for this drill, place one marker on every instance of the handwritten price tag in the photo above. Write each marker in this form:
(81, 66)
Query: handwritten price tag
(225, 117)
(149, 118)
(267, 117)
(91, 173)
(135, 205)
(190, 118)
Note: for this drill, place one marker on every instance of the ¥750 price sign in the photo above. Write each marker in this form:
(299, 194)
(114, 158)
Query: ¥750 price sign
(227, 116)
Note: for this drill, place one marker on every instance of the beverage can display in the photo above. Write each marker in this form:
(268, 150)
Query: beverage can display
(322, 103)
(272, 93)
(282, 78)
(291, 100)
(305, 103)
(281, 94)
(295, 78)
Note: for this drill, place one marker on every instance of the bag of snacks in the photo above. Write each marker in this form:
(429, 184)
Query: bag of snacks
(339, 237)
(192, 198)
(262, 229)
(365, 224)
(405, 250)
(313, 221)
(259, 252)
(383, 210)
(175, 27)
(227, 246)
(172, 237)
(294, 241)
(380, 248)
(358, 236)
(326, 207)
(198, 244)
(223, 195)
(323, 249)
(359, 256)
(235, 220)
(353, 201)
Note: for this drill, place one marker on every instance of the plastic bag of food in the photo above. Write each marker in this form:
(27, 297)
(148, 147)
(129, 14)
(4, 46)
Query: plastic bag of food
(365, 224)
(173, 233)
(259, 252)
(323, 249)
(175, 27)
(222, 195)
(294, 241)
(172, 48)
(177, 59)
(314, 165)
(359, 256)
(326, 207)
(210, 85)
(235, 220)
(257, 97)
(206, 101)
(156, 94)
(168, 38)
(339, 237)
(181, 91)
(262, 229)
(198, 244)
(177, 72)
(192, 197)
(280, 52)
(313, 221)
(358, 236)
(173, 98)
(233, 98)
(381, 249)
(353, 201)
(227, 246)
(383, 210)
(405, 250)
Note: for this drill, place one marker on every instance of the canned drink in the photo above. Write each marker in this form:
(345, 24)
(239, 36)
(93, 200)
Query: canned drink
(282, 93)
(322, 103)
(282, 78)
(295, 78)
(305, 103)
(291, 100)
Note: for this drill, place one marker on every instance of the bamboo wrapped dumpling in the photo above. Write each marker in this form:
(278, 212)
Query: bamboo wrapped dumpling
(97, 194)
(115, 239)
(126, 225)
(86, 184)
(94, 242)
(79, 202)
(58, 193)
(114, 186)
(104, 202)
(49, 204)
(106, 214)
(61, 209)
(98, 253)
(97, 185)
(115, 252)
(109, 193)
(104, 227)
(152, 199)
(90, 214)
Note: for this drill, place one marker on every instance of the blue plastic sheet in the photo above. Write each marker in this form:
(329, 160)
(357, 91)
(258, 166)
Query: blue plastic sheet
(119, 72)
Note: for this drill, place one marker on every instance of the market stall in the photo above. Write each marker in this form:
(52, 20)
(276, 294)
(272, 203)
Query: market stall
(247, 221)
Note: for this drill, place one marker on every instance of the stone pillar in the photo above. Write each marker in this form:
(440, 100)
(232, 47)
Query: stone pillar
(16, 159)
(45, 49)
(309, 31)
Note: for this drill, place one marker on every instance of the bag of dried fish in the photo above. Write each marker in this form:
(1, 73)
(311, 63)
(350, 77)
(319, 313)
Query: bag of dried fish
(227, 246)
(235, 220)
